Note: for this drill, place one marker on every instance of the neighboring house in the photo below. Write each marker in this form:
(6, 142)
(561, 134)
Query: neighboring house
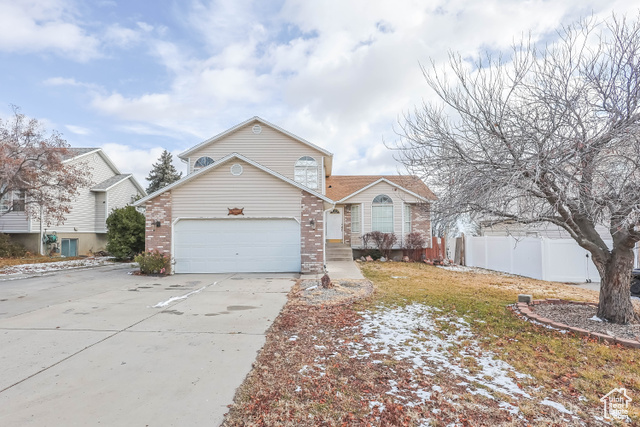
(260, 199)
(518, 230)
(84, 229)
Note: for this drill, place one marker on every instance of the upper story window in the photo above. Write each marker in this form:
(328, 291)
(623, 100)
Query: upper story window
(306, 172)
(202, 162)
(13, 201)
(382, 214)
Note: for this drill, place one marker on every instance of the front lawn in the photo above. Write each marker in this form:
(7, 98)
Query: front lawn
(431, 347)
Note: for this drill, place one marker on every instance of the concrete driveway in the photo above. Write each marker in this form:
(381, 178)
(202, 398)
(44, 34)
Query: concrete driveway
(102, 347)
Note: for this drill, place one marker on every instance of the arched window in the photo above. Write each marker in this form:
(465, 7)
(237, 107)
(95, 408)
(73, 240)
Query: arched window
(202, 162)
(306, 172)
(382, 214)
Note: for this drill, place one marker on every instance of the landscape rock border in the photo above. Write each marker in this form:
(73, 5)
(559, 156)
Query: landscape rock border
(526, 310)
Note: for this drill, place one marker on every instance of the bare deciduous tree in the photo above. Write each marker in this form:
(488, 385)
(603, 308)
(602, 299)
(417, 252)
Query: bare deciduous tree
(32, 166)
(550, 135)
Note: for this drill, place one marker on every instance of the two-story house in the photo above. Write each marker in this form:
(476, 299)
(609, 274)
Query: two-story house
(257, 198)
(84, 229)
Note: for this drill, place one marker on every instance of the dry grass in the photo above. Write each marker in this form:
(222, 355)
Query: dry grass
(306, 375)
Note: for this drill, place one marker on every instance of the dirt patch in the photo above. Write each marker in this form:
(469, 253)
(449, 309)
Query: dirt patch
(311, 292)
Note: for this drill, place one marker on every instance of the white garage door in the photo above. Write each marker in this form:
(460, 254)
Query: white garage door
(237, 245)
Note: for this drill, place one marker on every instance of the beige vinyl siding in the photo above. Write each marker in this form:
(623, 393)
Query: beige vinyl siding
(121, 194)
(101, 211)
(14, 222)
(83, 213)
(366, 197)
(270, 148)
(260, 194)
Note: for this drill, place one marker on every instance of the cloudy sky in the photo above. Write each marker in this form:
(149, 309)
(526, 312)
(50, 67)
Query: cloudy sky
(136, 77)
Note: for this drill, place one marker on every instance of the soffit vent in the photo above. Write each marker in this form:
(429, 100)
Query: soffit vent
(256, 129)
(236, 169)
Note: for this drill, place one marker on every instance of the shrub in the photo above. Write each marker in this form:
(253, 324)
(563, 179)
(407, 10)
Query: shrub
(382, 241)
(9, 249)
(125, 232)
(413, 243)
(153, 262)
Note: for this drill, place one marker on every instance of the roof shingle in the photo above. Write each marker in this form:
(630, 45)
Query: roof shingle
(340, 186)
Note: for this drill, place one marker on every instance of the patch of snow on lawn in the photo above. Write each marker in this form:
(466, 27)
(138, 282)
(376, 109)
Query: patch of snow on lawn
(559, 407)
(55, 266)
(411, 333)
(596, 318)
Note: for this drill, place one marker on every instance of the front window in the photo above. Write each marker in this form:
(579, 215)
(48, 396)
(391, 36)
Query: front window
(306, 172)
(382, 214)
(355, 218)
(407, 219)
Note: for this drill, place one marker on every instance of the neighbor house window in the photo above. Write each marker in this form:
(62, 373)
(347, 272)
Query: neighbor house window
(13, 201)
(355, 218)
(407, 219)
(202, 162)
(382, 214)
(306, 172)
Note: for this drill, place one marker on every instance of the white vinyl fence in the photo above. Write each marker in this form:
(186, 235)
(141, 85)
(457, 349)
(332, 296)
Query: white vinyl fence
(560, 260)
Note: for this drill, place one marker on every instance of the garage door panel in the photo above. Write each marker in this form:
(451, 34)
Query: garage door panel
(242, 245)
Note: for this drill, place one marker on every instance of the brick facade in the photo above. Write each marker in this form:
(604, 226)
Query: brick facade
(311, 235)
(421, 222)
(158, 238)
(347, 225)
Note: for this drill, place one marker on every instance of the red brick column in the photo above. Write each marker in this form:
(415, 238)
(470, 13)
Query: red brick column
(347, 225)
(158, 238)
(311, 235)
(421, 221)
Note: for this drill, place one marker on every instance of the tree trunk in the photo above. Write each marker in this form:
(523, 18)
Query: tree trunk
(615, 297)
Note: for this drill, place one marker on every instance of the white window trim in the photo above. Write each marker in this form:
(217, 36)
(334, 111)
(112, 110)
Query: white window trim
(307, 168)
(360, 222)
(391, 207)
(406, 231)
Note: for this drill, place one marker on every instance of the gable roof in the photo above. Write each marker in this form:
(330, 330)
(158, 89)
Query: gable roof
(184, 155)
(76, 153)
(219, 163)
(341, 187)
(109, 183)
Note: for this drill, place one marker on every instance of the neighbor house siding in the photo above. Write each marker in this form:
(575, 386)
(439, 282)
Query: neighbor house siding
(366, 197)
(82, 217)
(14, 222)
(101, 211)
(121, 194)
(213, 193)
(270, 148)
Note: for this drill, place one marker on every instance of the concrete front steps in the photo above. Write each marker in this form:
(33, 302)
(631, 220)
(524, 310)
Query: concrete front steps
(339, 252)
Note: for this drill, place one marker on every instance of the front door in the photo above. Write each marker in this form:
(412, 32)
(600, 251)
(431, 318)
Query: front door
(334, 225)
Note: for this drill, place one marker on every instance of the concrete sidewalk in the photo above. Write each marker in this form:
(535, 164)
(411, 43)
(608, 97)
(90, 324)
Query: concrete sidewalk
(339, 270)
(102, 347)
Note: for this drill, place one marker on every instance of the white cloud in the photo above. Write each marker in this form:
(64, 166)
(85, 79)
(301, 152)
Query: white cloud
(78, 130)
(44, 26)
(337, 73)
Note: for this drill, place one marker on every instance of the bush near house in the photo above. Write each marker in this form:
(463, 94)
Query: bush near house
(153, 262)
(9, 249)
(383, 242)
(125, 232)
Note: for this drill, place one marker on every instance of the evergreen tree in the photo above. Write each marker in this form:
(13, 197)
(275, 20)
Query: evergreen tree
(162, 173)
